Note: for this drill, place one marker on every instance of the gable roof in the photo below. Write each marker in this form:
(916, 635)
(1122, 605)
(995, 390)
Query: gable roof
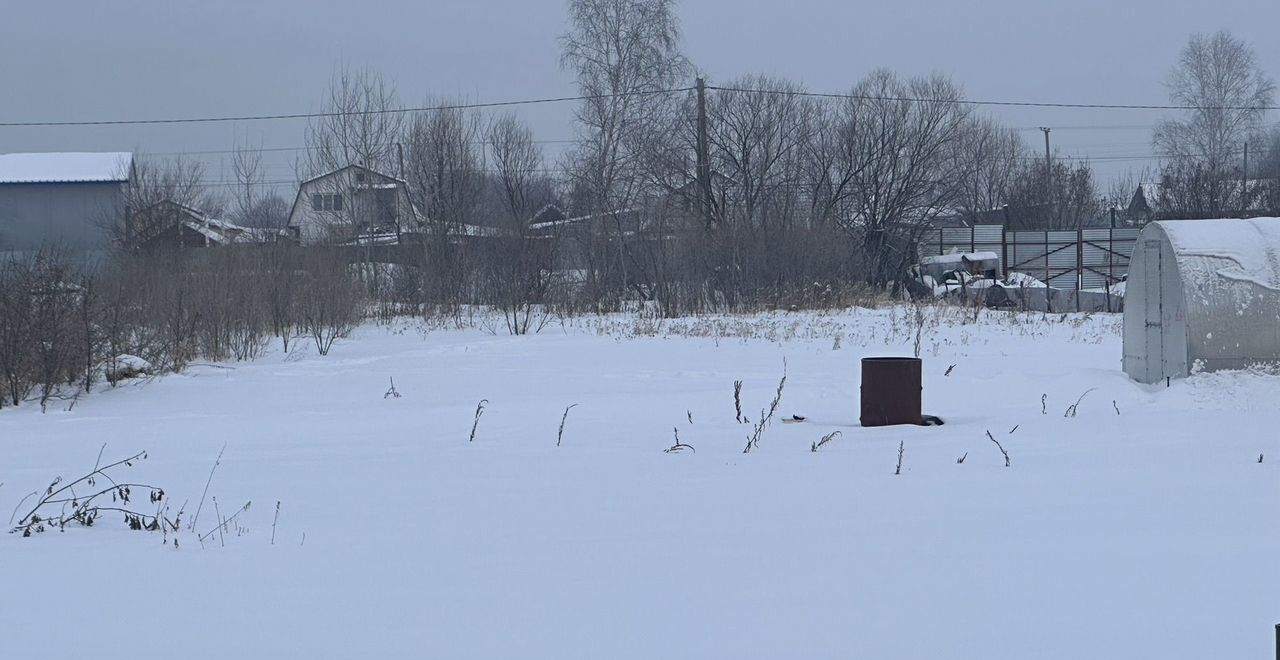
(357, 167)
(70, 167)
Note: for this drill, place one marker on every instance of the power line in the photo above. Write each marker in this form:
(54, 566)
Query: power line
(1021, 104)
(358, 113)
(588, 97)
(252, 150)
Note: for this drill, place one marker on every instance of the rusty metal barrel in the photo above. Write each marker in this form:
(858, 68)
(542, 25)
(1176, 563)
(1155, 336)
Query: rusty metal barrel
(891, 391)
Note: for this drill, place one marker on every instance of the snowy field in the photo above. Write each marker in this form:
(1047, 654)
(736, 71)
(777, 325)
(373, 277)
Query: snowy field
(1142, 527)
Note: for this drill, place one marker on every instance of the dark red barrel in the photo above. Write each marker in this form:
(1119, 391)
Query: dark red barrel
(891, 391)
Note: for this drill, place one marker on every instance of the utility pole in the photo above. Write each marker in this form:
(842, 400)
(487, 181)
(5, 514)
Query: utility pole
(1048, 174)
(702, 175)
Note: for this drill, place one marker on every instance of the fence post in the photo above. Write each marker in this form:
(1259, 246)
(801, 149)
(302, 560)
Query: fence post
(1048, 297)
(1004, 251)
(1004, 243)
(1079, 265)
(1111, 260)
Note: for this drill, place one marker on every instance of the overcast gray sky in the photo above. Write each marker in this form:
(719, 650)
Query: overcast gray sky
(129, 59)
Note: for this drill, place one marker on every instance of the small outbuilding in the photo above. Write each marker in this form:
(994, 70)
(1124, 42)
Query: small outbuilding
(1202, 295)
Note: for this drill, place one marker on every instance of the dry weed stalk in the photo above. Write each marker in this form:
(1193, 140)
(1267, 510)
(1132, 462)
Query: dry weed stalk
(767, 416)
(678, 446)
(825, 439)
(1000, 447)
(476, 423)
(274, 521)
(223, 523)
(737, 401)
(216, 462)
(565, 416)
(1071, 409)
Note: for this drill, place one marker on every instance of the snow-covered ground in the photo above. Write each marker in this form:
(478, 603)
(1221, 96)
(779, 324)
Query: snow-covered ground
(1148, 532)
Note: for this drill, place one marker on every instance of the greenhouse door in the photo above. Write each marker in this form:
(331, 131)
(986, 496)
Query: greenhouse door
(1153, 298)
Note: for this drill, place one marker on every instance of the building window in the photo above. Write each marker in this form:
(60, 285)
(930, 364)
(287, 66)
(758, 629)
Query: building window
(326, 202)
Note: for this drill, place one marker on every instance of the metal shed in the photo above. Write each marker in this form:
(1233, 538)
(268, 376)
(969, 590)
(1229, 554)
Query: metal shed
(64, 198)
(1202, 295)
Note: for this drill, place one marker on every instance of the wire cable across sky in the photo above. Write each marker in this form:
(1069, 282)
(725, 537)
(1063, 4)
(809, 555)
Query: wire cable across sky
(357, 113)
(564, 99)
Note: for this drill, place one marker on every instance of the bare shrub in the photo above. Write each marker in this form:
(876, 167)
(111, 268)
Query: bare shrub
(60, 505)
(329, 299)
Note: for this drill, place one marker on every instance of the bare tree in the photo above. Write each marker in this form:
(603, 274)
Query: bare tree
(521, 264)
(517, 163)
(1219, 77)
(1075, 200)
(247, 168)
(445, 162)
(759, 141)
(362, 124)
(987, 157)
(269, 211)
(1267, 173)
(16, 319)
(623, 53)
(445, 171)
(155, 181)
(900, 131)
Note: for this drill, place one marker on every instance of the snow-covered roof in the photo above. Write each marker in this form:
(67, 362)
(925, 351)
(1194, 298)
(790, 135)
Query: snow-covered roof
(605, 215)
(223, 232)
(65, 167)
(960, 257)
(1236, 250)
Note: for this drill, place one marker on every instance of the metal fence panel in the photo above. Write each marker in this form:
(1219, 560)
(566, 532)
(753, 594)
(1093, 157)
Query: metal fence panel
(1066, 259)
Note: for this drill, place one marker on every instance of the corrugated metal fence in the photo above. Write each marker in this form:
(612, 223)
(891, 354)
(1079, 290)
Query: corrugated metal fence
(1069, 260)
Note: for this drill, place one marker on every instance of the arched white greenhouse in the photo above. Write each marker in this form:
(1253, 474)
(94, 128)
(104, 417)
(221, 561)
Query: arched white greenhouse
(1202, 295)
